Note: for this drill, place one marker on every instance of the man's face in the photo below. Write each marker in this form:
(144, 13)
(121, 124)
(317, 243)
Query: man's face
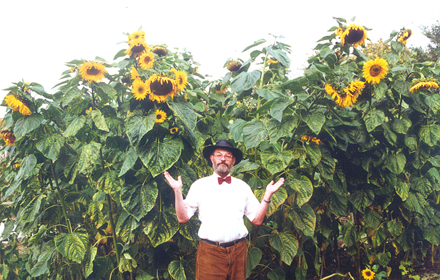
(222, 161)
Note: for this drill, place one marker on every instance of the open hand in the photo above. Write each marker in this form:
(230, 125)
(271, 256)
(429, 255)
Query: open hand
(273, 187)
(176, 185)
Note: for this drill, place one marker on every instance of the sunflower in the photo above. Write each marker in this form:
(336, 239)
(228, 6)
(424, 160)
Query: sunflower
(339, 31)
(233, 65)
(92, 71)
(137, 35)
(17, 105)
(354, 35)
(218, 88)
(160, 116)
(134, 73)
(405, 36)
(308, 138)
(272, 61)
(8, 137)
(423, 84)
(160, 51)
(137, 47)
(368, 274)
(16, 165)
(181, 79)
(160, 87)
(174, 130)
(146, 61)
(331, 91)
(140, 89)
(375, 70)
(352, 91)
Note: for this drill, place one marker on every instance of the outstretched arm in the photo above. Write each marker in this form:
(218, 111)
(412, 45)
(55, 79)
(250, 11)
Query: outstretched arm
(182, 214)
(262, 210)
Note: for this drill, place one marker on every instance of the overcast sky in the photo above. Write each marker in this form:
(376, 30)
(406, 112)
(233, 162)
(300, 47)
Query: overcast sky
(39, 37)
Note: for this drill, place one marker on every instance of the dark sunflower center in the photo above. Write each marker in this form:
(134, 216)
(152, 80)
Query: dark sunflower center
(158, 116)
(368, 273)
(160, 51)
(354, 36)
(163, 88)
(147, 59)
(138, 48)
(93, 71)
(375, 70)
(141, 89)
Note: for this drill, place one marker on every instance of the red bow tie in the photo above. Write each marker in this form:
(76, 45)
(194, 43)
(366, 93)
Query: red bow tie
(227, 179)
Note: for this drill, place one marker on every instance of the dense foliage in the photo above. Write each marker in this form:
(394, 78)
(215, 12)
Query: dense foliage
(355, 137)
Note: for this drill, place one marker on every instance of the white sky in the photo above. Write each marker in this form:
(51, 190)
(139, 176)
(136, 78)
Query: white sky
(39, 37)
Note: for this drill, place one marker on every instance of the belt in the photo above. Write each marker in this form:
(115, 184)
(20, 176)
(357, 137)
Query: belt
(224, 244)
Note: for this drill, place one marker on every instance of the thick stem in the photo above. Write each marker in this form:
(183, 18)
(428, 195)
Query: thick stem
(112, 224)
(63, 205)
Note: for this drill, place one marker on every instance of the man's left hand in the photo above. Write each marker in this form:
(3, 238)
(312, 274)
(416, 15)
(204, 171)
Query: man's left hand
(273, 187)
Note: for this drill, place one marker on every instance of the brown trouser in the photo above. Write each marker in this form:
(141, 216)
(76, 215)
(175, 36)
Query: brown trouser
(218, 263)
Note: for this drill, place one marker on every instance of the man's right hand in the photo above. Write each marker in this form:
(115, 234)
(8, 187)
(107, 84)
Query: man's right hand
(176, 185)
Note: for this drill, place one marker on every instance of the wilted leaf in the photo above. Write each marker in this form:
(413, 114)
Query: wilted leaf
(303, 218)
(162, 227)
(139, 200)
(72, 245)
(285, 243)
(160, 156)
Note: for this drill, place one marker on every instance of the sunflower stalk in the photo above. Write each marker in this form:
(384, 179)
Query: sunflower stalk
(63, 206)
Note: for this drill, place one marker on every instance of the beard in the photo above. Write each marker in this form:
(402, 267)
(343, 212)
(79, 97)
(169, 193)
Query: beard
(222, 168)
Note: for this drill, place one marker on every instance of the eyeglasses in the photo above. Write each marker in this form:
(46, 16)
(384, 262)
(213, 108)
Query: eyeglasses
(219, 156)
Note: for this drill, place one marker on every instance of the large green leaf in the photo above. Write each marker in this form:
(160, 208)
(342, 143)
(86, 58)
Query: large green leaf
(108, 89)
(402, 189)
(177, 269)
(75, 125)
(373, 119)
(130, 158)
(327, 164)
(245, 81)
(401, 126)
(415, 202)
(395, 227)
(277, 199)
(27, 168)
(278, 129)
(236, 130)
(253, 133)
(91, 254)
(280, 55)
(28, 213)
(362, 198)
(72, 245)
(338, 204)
(95, 211)
(277, 108)
(160, 156)
(185, 112)
(99, 120)
(138, 126)
(27, 124)
(253, 259)
(430, 134)
(139, 200)
(51, 145)
(190, 229)
(276, 162)
(125, 227)
(44, 258)
(421, 185)
(90, 155)
(396, 163)
(313, 152)
(303, 187)
(372, 218)
(303, 218)
(315, 121)
(109, 182)
(256, 43)
(285, 243)
(162, 227)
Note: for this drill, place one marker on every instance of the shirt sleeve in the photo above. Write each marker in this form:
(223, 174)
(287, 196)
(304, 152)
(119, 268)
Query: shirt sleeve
(191, 200)
(252, 204)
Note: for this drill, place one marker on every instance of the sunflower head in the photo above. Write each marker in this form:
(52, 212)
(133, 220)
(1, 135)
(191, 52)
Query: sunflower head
(146, 60)
(405, 36)
(375, 70)
(180, 78)
(160, 51)
(233, 65)
(160, 116)
(92, 71)
(368, 274)
(8, 137)
(354, 35)
(17, 104)
(424, 84)
(174, 130)
(137, 35)
(134, 73)
(308, 138)
(160, 87)
(137, 47)
(140, 89)
(218, 88)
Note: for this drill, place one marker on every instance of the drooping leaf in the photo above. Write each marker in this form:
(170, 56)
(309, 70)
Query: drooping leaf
(395, 227)
(27, 168)
(177, 270)
(138, 126)
(277, 199)
(139, 200)
(362, 198)
(91, 254)
(401, 126)
(256, 43)
(190, 229)
(430, 134)
(278, 129)
(396, 162)
(276, 162)
(253, 133)
(315, 121)
(72, 245)
(109, 182)
(185, 112)
(28, 213)
(75, 125)
(280, 55)
(160, 156)
(313, 152)
(125, 226)
(285, 243)
(89, 156)
(162, 227)
(99, 120)
(46, 255)
(278, 107)
(51, 145)
(402, 189)
(253, 259)
(27, 124)
(236, 130)
(373, 119)
(303, 218)
(303, 187)
(108, 89)
(129, 160)
(372, 218)
(245, 81)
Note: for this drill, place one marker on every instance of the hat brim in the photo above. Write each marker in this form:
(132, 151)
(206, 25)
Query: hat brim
(207, 152)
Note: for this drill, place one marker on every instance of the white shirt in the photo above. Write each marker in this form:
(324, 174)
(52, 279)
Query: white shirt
(221, 207)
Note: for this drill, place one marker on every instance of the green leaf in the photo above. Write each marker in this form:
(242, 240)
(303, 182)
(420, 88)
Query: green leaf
(131, 157)
(236, 130)
(402, 87)
(108, 89)
(276, 162)
(396, 163)
(278, 129)
(384, 258)
(395, 227)
(160, 156)
(411, 143)
(51, 145)
(373, 119)
(177, 270)
(270, 95)
(190, 229)
(350, 236)
(430, 134)
(253, 133)
(313, 152)
(277, 108)
(245, 81)
(109, 182)
(95, 212)
(277, 199)
(402, 189)
(27, 124)
(389, 134)
(139, 200)
(362, 198)
(303, 187)
(372, 218)
(396, 46)
(44, 258)
(256, 43)
(125, 226)
(315, 121)
(303, 218)
(421, 185)
(28, 213)
(326, 166)
(89, 156)
(27, 169)
(162, 227)
(415, 202)
(142, 275)
(91, 254)
(280, 55)
(99, 120)
(285, 243)
(253, 259)
(401, 126)
(184, 111)
(74, 126)
(138, 126)
(72, 245)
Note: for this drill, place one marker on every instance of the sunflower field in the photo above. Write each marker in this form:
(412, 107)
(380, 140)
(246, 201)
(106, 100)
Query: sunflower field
(356, 138)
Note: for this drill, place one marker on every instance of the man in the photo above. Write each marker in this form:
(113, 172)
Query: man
(222, 201)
